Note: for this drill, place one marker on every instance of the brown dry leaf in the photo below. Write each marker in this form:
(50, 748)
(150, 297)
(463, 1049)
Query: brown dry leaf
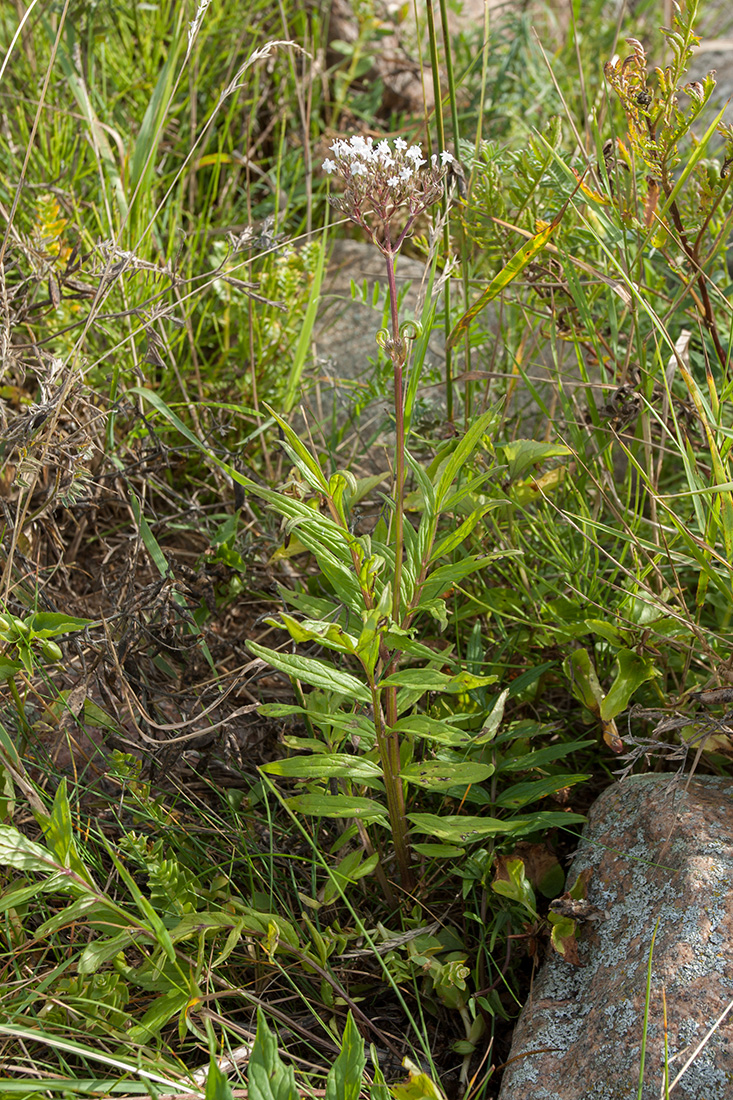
(538, 861)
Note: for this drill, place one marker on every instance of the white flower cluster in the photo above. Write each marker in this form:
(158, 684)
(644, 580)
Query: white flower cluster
(360, 153)
(384, 178)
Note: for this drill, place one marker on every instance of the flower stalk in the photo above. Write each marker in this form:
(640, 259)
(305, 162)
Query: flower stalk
(386, 188)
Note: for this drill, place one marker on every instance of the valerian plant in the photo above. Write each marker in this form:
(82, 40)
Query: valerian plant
(377, 736)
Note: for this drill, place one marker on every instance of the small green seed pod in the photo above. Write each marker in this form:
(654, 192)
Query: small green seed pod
(52, 651)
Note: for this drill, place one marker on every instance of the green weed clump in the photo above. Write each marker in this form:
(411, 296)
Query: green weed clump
(286, 747)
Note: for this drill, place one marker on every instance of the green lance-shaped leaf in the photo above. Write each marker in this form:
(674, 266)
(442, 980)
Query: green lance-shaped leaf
(434, 729)
(268, 1078)
(8, 667)
(321, 766)
(429, 679)
(340, 806)
(456, 829)
(521, 794)
(17, 851)
(460, 455)
(633, 671)
(437, 775)
(492, 723)
(584, 682)
(217, 1085)
(59, 834)
(319, 674)
(326, 633)
(48, 624)
(345, 1076)
(418, 1086)
(516, 886)
(522, 454)
(309, 467)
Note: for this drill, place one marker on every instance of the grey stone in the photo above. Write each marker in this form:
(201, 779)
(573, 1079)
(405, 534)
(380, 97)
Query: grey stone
(660, 852)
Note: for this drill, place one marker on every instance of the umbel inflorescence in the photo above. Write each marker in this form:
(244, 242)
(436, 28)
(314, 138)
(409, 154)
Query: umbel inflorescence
(383, 181)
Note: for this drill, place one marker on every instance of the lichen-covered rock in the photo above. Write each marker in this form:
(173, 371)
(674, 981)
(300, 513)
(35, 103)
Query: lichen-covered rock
(660, 852)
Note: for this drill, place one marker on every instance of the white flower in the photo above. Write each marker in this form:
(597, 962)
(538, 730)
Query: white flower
(338, 147)
(399, 144)
(415, 153)
(393, 181)
(406, 174)
(329, 166)
(359, 169)
(446, 158)
(434, 161)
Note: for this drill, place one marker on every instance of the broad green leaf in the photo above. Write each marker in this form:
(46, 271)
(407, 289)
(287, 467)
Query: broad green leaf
(367, 647)
(517, 887)
(449, 542)
(9, 667)
(433, 729)
(217, 1085)
(194, 924)
(583, 679)
(492, 723)
(325, 766)
(539, 757)
(351, 868)
(522, 454)
(280, 710)
(306, 463)
(418, 1086)
(442, 579)
(344, 1079)
(378, 1090)
(604, 630)
(460, 455)
(320, 674)
(438, 851)
(267, 1076)
(338, 806)
(99, 952)
(422, 679)
(17, 851)
(19, 895)
(459, 830)
(464, 830)
(59, 835)
(48, 624)
(633, 671)
(351, 723)
(328, 634)
(429, 679)
(336, 569)
(160, 1013)
(521, 794)
(435, 775)
(98, 913)
(401, 641)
